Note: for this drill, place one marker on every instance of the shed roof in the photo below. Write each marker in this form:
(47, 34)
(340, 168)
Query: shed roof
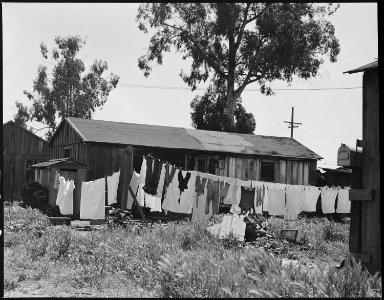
(25, 130)
(372, 65)
(58, 161)
(252, 144)
(134, 134)
(180, 138)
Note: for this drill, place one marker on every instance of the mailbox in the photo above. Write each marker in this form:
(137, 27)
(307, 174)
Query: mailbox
(348, 157)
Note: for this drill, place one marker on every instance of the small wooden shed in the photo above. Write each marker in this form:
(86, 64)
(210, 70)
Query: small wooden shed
(70, 169)
(21, 149)
(365, 230)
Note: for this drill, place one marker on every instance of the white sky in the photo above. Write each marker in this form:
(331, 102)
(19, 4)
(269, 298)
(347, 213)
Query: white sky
(329, 117)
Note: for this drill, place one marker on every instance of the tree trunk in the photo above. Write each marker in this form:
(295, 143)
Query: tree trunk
(231, 99)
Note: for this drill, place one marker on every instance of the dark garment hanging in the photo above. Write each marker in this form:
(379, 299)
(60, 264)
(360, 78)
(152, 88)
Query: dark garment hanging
(183, 182)
(247, 199)
(152, 176)
(212, 195)
(199, 187)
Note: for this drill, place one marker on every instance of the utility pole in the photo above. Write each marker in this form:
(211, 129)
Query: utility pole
(292, 124)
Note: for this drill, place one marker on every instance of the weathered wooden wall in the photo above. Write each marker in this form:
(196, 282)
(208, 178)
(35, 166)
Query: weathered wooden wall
(67, 136)
(19, 146)
(286, 171)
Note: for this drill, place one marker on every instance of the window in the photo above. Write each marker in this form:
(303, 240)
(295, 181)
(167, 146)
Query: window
(201, 164)
(67, 151)
(267, 172)
(30, 173)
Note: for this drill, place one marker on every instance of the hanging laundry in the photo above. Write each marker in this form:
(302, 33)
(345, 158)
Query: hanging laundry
(276, 202)
(153, 202)
(229, 198)
(183, 181)
(140, 192)
(168, 178)
(113, 182)
(198, 211)
(236, 195)
(265, 199)
(152, 176)
(57, 181)
(343, 203)
(293, 204)
(311, 195)
(258, 199)
(199, 187)
(328, 198)
(65, 196)
(177, 203)
(212, 196)
(60, 192)
(279, 186)
(247, 199)
(160, 186)
(223, 190)
(92, 204)
(258, 202)
(134, 184)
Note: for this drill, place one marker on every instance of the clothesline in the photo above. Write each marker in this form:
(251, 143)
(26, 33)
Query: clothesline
(162, 186)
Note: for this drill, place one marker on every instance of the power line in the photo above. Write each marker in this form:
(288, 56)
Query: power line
(327, 137)
(247, 90)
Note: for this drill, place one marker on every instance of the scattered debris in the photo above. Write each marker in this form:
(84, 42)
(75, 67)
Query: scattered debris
(119, 217)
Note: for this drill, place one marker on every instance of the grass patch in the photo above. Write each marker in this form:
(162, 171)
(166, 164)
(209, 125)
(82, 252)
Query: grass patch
(176, 260)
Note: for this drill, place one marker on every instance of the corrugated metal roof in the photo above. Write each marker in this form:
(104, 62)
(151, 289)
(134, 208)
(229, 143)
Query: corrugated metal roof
(251, 144)
(180, 138)
(372, 65)
(56, 161)
(134, 134)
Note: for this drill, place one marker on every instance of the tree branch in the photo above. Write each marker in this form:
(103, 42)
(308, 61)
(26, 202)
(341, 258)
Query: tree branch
(241, 32)
(210, 60)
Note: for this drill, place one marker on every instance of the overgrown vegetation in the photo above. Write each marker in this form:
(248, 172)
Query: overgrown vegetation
(174, 260)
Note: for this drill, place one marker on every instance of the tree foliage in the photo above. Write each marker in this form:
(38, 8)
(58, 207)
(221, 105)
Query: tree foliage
(208, 113)
(69, 91)
(236, 44)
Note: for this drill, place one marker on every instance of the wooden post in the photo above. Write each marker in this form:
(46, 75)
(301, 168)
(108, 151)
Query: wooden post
(126, 170)
(355, 225)
(371, 221)
(138, 205)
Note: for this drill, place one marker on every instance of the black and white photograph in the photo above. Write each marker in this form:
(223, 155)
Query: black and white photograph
(191, 150)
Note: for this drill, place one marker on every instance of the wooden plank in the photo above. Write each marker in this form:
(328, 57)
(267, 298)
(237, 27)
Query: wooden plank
(251, 169)
(231, 167)
(300, 167)
(283, 171)
(277, 171)
(257, 169)
(289, 172)
(360, 195)
(294, 172)
(306, 173)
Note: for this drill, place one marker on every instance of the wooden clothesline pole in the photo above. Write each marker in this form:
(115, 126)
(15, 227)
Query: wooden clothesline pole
(138, 205)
